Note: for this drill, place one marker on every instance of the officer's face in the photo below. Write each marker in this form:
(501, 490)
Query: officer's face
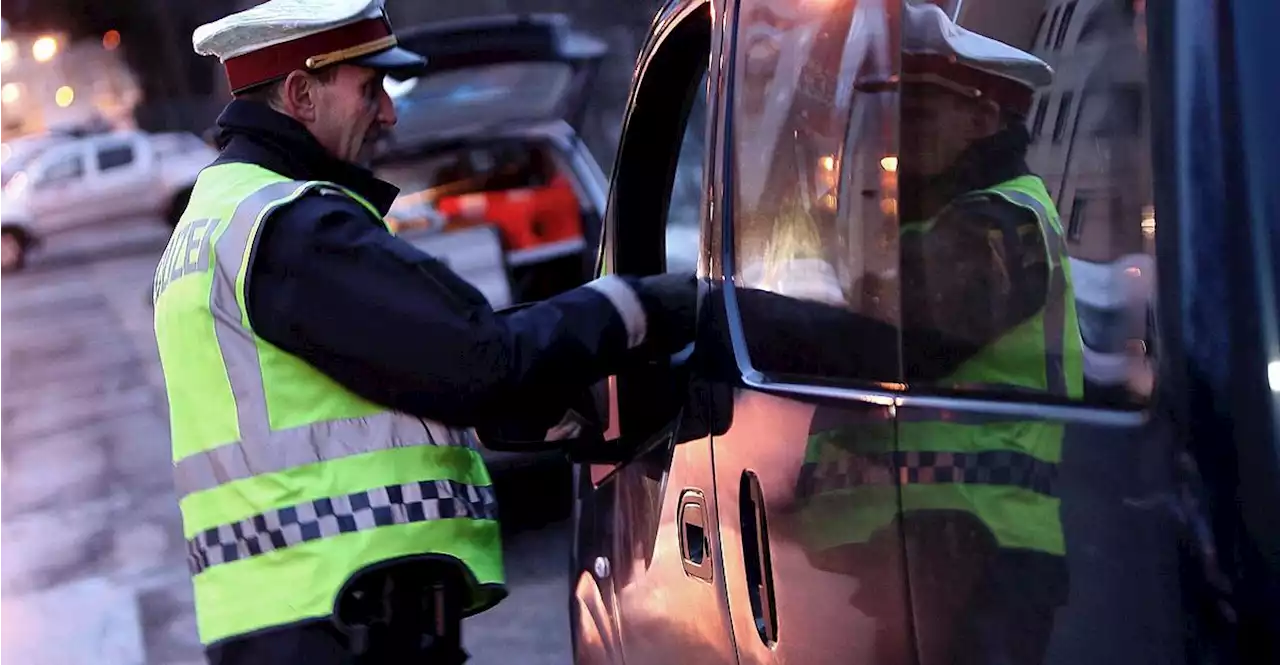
(352, 111)
(939, 124)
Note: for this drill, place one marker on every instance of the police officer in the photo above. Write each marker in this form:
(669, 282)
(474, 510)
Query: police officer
(987, 304)
(323, 375)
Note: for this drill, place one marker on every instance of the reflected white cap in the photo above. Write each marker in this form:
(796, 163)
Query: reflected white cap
(937, 50)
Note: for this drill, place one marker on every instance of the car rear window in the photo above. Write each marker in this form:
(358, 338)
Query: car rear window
(488, 95)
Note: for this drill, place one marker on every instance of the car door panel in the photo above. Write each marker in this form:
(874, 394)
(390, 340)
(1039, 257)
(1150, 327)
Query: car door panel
(670, 613)
(124, 183)
(833, 603)
(59, 193)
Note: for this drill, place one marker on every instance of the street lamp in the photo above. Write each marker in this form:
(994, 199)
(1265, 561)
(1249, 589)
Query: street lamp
(64, 96)
(8, 52)
(44, 48)
(10, 93)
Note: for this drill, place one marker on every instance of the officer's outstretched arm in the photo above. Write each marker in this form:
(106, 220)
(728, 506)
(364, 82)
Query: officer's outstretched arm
(398, 327)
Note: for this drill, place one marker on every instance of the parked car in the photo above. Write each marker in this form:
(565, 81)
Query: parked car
(487, 145)
(495, 180)
(697, 535)
(98, 178)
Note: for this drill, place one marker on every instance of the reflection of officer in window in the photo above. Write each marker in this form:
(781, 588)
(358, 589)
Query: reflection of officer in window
(986, 304)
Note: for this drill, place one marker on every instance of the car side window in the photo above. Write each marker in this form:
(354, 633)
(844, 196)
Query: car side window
(114, 156)
(61, 168)
(812, 192)
(684, 214)
(657, 193)
(963, 262)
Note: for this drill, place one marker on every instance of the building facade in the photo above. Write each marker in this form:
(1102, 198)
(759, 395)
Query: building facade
(50, 84)
(1090, 128)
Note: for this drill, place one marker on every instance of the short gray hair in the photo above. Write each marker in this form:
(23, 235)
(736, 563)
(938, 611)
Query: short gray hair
(269, 93)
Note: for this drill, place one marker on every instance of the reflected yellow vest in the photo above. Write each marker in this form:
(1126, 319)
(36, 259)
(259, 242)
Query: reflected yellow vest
(1000, 470)
(288, 482)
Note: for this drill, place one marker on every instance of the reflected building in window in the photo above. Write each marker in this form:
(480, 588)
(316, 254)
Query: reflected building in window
(1090, 134)
(1090, 128)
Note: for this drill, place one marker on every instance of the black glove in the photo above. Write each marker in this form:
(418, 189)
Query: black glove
(670, 304)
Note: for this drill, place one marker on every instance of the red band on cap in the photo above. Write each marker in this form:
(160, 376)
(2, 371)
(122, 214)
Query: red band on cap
(1006, 92)
(273, 62)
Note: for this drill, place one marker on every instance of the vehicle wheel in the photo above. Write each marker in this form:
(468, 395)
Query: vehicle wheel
(177, 207)
(13, 250)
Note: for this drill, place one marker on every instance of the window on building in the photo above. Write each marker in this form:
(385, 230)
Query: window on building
(1124, 114)
(1095, 24)
(1066, 23)
(1078, 208)
(1037, 120)
(1064, 113)
(1053, 26)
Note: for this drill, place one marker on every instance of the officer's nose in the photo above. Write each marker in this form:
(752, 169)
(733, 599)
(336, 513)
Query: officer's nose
(386, 110)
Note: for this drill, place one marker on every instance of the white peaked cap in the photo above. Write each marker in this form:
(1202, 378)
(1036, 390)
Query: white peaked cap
(268, 41)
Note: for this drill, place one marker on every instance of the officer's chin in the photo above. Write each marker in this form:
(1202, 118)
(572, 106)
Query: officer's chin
(364, 157)
(368, 150)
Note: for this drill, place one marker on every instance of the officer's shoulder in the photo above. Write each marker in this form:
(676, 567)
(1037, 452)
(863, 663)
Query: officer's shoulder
(323, 203)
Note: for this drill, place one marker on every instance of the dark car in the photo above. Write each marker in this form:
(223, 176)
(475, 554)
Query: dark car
(703, 533)
(496, 182)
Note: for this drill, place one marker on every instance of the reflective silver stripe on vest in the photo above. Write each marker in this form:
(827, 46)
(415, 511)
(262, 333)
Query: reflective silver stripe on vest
(323, 518)
(1056, 303)
(260, 449)
(291, 448)
(996, 467)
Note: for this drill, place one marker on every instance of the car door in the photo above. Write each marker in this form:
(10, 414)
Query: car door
(123, 182)
(800, 193)
(648, 587)
(59, 196)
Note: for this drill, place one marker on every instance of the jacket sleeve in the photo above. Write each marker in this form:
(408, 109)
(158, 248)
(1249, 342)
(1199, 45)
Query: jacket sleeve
(980, 271)
(331, 286)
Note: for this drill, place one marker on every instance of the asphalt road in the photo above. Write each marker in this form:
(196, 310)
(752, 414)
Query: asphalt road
(93, 567)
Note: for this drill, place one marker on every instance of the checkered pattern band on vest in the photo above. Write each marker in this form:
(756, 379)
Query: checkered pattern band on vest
(995, 467)
(293, 525)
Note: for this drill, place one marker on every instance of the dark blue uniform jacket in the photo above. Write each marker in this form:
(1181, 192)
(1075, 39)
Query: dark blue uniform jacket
(331, 285)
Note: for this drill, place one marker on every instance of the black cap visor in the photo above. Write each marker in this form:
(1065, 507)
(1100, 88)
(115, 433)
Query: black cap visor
(397, 62)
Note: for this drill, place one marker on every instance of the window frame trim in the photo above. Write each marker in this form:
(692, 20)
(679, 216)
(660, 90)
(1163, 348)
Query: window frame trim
(667, 25)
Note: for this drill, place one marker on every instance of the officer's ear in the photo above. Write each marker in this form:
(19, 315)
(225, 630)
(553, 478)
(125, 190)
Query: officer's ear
(299, 96)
